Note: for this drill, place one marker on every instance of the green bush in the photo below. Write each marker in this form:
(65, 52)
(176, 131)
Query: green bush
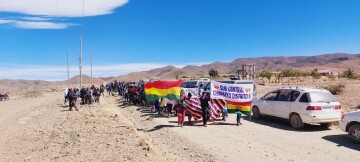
(315, 74)
(265, 74)
(213, 73)
(336, 89)
(349, 74)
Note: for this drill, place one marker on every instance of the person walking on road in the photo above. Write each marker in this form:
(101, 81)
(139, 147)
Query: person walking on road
(187, 112)
(238, 116)
(72, 99)
(204, 100)
(181, 109)
(224, 112)
(169, 106)
(66, 92)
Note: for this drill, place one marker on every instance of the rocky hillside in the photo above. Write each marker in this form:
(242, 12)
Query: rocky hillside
(337, 62)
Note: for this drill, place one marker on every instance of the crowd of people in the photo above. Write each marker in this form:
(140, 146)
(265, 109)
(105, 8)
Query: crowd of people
(85, 95)
(181, 109)
(134, 94)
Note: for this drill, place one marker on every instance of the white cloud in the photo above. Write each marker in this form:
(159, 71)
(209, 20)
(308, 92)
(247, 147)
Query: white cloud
(42, 12)
(36, 24)
(60, 72)
(6, 21)
(61, 8)
(41, 25)
(36, 18)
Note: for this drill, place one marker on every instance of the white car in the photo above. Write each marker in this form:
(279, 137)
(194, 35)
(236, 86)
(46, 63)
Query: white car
(350, 122)
(196, 86)
(300, 106)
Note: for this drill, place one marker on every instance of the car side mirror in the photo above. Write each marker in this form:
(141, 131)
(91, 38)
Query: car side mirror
(263, 98)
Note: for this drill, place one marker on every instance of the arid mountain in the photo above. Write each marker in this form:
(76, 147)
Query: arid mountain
(85, 80)
(11, 85)
(21, 82)
(337, 62)
(7, 85)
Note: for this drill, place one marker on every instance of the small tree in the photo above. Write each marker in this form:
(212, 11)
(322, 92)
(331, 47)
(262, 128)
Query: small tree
(279, 78)
(213, 73)
(315, 74)
(289, 73)
(265, 74)
(336, 89)
(349, 73)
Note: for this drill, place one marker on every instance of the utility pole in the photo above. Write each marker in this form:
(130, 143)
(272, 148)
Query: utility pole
(67, 62)
(80, 61)
(91, 69)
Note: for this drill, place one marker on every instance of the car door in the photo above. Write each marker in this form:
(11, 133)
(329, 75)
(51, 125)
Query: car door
(266, 103)
(283, 104)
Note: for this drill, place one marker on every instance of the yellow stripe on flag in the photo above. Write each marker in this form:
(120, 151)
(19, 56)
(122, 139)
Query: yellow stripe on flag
(163, 92)
(242, 108)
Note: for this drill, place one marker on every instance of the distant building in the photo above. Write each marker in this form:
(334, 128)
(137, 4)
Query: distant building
(328, 72)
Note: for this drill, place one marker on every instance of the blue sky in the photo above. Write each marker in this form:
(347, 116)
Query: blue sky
(126, 36)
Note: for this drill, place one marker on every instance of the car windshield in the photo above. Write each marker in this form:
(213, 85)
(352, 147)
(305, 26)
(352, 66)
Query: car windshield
(207, 86)
(203, 85)
(191, 85)
(227, 81)
(322, 97)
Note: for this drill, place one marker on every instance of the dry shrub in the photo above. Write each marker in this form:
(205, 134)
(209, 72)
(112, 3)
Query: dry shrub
(357, 107)
(335, 89)
(32, 94)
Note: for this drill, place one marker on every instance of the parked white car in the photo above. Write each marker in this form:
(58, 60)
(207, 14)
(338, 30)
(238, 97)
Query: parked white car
(300, 106)
(196, 86)
(350, 122)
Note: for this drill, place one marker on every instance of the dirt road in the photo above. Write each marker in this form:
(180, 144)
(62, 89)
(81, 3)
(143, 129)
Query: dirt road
(265, 139)
(42, 129)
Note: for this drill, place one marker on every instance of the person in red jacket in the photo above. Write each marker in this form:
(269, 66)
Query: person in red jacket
(181, 109)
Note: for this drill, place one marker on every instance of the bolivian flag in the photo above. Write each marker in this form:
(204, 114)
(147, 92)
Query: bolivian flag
(243, 107)
(163, 89)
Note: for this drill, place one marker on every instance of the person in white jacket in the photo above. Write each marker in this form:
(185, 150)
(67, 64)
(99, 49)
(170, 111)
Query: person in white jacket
(169, 106)
(66, 95)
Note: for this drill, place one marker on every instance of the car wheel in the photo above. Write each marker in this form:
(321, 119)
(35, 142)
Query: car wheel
(256, 112)
(296, 121)
(354, 133)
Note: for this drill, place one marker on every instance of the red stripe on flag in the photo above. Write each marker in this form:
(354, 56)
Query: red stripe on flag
(164, 84)
(238, 103)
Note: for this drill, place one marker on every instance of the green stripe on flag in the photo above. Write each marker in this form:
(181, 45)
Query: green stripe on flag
(169, 96)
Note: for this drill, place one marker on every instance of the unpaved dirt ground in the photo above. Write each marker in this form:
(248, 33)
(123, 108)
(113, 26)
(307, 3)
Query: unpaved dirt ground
(42, 129)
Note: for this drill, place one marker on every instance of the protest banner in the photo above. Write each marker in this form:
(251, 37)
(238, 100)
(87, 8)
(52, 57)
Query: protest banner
(237, 96)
